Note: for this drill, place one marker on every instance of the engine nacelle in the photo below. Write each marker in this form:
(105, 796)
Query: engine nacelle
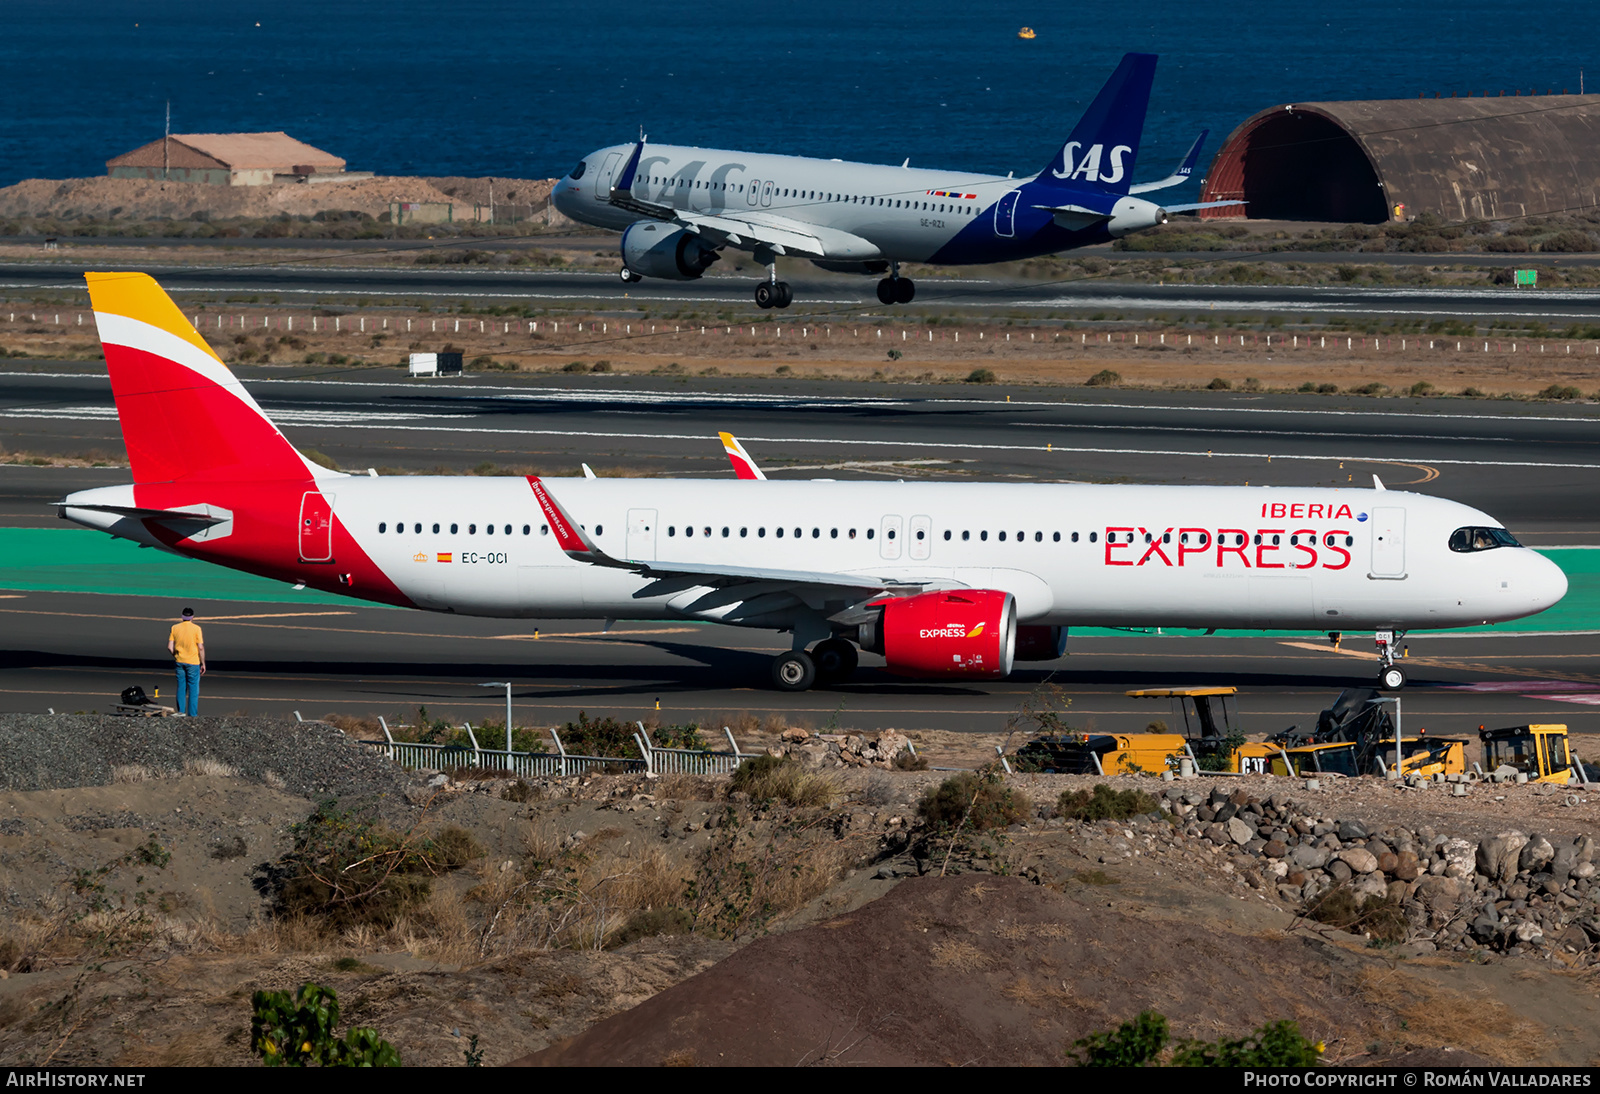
(1134, 215)
(653, 249)
(954, 632)
(1036, 643)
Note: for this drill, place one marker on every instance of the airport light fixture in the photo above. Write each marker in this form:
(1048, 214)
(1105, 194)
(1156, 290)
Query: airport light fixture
(507, 685)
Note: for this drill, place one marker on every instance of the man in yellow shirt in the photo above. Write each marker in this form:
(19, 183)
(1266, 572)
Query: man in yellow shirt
(188, 648)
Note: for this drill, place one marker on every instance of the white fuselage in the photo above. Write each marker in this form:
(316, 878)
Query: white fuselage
(900, 213)
(1126, 556)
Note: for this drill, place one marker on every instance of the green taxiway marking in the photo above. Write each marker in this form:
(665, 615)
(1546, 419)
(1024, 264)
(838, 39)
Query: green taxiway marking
(70, 560)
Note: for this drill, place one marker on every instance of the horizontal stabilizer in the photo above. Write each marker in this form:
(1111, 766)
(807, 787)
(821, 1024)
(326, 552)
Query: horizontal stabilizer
(1201, 205)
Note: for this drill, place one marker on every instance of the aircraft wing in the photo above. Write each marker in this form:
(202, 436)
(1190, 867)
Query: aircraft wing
(1181, 175)
(576, 544)
(1201, 205)
(744, 230)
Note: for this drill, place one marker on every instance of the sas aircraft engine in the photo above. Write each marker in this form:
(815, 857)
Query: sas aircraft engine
(653, 249)
(1134, 215)
(953, 632)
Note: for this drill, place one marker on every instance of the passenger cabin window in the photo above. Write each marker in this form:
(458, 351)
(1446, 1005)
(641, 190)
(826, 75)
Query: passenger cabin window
(1466, 540)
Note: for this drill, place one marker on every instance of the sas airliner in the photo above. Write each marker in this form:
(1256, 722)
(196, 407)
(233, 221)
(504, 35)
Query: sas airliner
(943, 580)
(678, 208)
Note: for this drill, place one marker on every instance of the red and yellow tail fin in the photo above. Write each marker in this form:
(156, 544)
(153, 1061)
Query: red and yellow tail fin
(184, 415)
(743, 465)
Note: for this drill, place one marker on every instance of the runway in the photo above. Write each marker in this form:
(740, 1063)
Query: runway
(1532, 465)
(75, 652)
(817, 292)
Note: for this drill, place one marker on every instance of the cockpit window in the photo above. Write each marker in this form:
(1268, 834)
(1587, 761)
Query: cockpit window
(1481, 539)
(577, 172)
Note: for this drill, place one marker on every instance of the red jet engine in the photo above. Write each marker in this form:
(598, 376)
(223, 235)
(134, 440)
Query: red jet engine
(961, 633)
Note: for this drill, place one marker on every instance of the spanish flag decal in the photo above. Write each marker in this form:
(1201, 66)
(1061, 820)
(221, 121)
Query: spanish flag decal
(446, 556)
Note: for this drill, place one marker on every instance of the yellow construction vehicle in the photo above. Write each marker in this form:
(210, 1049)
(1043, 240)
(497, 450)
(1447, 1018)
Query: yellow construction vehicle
(1430, 756)
(1335, 758)
(1103, 753)
(1537, 751)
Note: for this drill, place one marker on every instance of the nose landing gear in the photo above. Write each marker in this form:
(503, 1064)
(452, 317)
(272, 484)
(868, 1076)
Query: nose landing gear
(1391, 677)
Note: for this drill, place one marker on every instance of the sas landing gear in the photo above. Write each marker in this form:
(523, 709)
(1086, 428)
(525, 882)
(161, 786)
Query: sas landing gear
(1391, 677)
(896, 290)
(628, 276)
(830, 662)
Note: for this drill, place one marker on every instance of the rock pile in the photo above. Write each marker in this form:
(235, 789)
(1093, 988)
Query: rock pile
(843, 749)
(1514, 892)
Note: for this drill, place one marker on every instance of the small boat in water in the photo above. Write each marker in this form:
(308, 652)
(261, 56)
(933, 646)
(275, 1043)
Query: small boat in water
(1026, 32)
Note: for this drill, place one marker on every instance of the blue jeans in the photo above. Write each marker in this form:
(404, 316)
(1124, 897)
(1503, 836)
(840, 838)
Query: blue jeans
(188, 689)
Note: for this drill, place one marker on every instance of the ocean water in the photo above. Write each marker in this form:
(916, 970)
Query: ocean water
(478, 87)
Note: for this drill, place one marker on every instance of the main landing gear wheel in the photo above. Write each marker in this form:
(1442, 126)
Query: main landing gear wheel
(774, 294)
(628, 276)
(1391, 678)
(835, 660)
(793, 671)
(896, 290)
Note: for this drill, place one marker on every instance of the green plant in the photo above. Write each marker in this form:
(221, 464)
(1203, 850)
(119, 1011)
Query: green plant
(1422, 387)
(895, 355)
(1104, 378)
(473, 1054)
(1132, 1044)
(1139, 1042)
(1104, 803)
(975, 801)
(1216, 754)
(299, 1031)
(575, 366)
(1277, 1044)
(1219, 384)
(980, 376)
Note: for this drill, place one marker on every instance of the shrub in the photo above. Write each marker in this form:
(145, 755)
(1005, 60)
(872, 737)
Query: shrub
(895, 355)
(1380, 917)
(781, 778)
(1474, 393)
(1507, 244)
(1132, 1044)
(652, 922)
(980, 376)
(1569, 242)
(1141, 1041)
(1422, 387)
(600, 366)
(977, 801)
(575, 366)
(1327, 389)
(1219, 384)
(1373, 388)
(297, 1031)
(1557, 391)
(1104, 804)
(1278, 1044)
(350, 871)
(906, 760)
(1104, 378)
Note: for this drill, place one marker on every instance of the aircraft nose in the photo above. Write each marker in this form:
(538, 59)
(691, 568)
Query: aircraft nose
(1547, 582)
(560, 194)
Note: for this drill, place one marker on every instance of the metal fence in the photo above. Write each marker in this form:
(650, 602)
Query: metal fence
(655, 761)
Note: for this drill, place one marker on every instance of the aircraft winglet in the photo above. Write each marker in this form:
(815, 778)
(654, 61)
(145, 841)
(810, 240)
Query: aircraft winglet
(743, 465)
(570, 536)
(1181, 175)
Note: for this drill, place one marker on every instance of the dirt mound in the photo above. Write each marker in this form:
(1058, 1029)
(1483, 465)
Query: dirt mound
(144, 199)
(974, 970)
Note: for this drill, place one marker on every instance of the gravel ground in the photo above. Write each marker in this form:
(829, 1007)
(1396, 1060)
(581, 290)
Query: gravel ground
(314, 760)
